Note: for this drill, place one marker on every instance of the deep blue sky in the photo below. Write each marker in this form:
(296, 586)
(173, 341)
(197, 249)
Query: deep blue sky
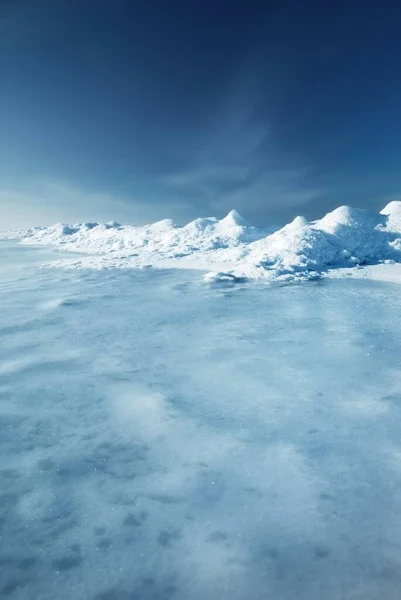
(140, 110)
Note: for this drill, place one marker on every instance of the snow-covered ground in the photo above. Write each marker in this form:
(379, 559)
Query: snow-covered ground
(229, 248)
(166, 440)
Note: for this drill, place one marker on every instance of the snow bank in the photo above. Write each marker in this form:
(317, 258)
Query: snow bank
(233, 250)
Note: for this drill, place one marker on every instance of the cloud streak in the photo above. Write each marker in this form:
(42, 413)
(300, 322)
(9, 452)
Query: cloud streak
(48, 202)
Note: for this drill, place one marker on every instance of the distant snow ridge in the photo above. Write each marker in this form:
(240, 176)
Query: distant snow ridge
(158, 240)
(230, 249)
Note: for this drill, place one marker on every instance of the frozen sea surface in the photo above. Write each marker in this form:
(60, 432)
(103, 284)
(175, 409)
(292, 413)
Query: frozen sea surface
(166, 440)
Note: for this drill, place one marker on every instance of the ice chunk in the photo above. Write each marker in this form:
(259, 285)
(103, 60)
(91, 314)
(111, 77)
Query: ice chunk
(219, 277)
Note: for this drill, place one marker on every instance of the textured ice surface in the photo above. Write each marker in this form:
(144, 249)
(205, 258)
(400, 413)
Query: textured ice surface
(162, 439)
(229, 247)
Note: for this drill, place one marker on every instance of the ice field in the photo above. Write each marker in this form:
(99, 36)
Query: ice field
(162, 438)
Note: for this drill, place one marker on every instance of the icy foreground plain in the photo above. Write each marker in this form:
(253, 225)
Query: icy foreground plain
(228, 249)
(165, 440)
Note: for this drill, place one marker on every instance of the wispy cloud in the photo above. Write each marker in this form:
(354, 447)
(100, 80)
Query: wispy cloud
(239, 167)
(206, 176)
(47, 202)
(257, 193)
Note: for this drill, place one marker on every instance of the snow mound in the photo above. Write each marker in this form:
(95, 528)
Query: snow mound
(233, 219)
(348, 217)
(231, 249)
(393, 207)
(393, 213)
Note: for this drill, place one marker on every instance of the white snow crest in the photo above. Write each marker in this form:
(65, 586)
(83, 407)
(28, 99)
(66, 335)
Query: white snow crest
(230, 249)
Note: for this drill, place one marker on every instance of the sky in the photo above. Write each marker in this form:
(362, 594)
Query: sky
(136, 111)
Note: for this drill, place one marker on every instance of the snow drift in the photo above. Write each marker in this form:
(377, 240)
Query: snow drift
(230, 249)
